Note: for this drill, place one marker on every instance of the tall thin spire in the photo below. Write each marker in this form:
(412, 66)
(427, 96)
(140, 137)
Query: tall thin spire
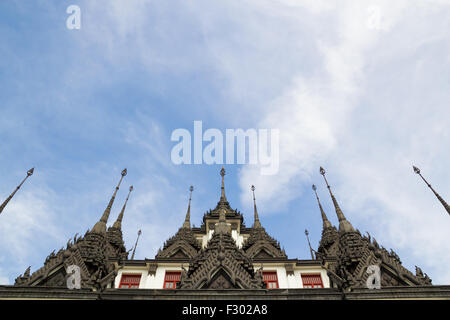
(3, 205)
(446, 206)
(257, 223)
(326, 222)
(344, 225)
(187, 220)
(135, 246)
(118, 223)
(100, 226)
(309, 244)
(222, 195)
(222, 227)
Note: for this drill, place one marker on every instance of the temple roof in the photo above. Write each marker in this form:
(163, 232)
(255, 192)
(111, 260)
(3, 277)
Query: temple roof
(222, 265)
(223, 205)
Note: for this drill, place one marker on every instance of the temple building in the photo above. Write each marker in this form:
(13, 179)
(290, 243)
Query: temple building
(226, 259)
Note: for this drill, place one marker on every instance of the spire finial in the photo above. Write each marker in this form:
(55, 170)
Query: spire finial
(118, 223)
(344, 225)
(446, 206)
(100, 227)
(3, 205)
(326, 222)
(222, 196)
(187, 220)
(257, 223)
(222, 226)
(134, 250)
(309, 244)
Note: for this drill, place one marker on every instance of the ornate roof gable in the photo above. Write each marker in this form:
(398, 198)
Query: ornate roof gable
(183, 244)
(90, 253)
(222, 264)
(354, 253)
(260, 242)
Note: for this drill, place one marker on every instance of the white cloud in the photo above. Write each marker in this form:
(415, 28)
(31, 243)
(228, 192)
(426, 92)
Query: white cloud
(28, 224)
(369, 139)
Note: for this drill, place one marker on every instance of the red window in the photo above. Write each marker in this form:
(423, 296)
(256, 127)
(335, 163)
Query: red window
(271, 279)
(312, 281)
(171, 279)
(130, 281)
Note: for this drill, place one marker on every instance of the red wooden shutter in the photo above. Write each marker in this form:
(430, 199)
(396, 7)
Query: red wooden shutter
(171, 278)
(130, 281)
(271, 279)
(312, 281)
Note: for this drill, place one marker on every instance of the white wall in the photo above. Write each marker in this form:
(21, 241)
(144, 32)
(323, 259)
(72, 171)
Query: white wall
(294, 281)
(284, 281)
(157, 281)
(141, 271)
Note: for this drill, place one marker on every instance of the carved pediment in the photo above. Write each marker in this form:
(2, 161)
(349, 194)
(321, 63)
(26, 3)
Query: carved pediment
(258, 240)
(179, 254)
(263, 249)
(221, 280)
(56, 279)
(221, 256)
(180, 249)
(263, 254)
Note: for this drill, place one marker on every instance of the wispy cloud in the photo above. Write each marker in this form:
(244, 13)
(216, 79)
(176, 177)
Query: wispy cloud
(363, 116)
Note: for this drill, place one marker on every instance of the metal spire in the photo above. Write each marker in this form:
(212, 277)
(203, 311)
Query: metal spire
(134, 250)
(257, 223)
(187, 220)
(222, 226)
(3, 205)
(309, 244)
(326, 222)
(446, 206)
(100, 226)
(344, 225)
(222, 195)
(118, 223)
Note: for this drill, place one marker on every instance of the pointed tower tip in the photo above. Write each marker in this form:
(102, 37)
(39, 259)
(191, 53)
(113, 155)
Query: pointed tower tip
(441, 200)
(223, 198)
(3, 205)
(344, 225)
(100, 226)
(135, 246)
(309, 244)
(257, 223)
(326, 222)
(118, 223)
(187, 220)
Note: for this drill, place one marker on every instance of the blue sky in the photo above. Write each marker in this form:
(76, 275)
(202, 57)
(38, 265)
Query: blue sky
(359, 87)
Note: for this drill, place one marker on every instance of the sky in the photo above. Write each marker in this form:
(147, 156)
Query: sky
(361, 88)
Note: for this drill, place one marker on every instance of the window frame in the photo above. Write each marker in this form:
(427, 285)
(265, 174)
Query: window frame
(314, 285)
(166, 281)
(129, 285)
(267, 282)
